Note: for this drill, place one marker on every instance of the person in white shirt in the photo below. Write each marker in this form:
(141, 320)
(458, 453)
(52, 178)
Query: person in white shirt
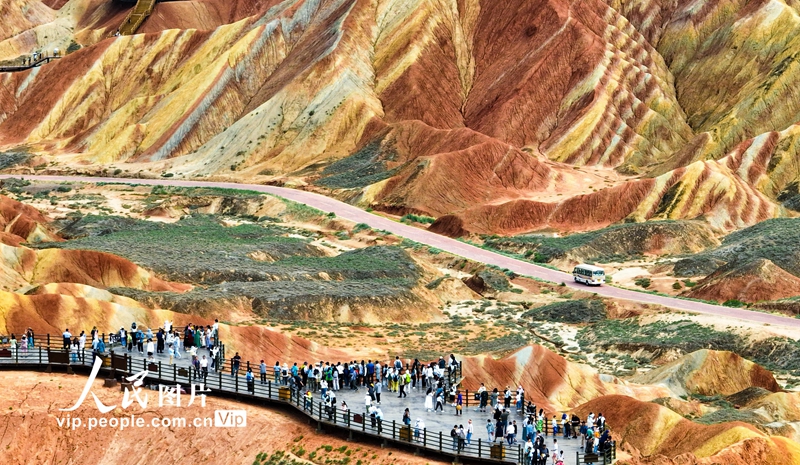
(81, 344)
(470, 429)
(151, 348)
(204, 367)
(419, 425)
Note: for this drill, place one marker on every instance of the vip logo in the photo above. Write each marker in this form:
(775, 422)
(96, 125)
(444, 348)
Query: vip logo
(230, 418)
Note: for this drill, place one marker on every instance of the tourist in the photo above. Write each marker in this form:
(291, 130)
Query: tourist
(461, 438)
(439, 402)
(459, 403)
(171, 352)
(204, 368)
(23, 343)
(407, 417)
(177, 347)
(470, 430)
(377, 392)
(334, 374)
(67, 336)
(419, 426)
(429, 400)
(323, 386)
(511, 433)
(251, 383)
(150, 349)
(139, 340)
(30, 338)
(576, 425)
(262, 370)
(284, 374)
(490, 430)
(583, 430)
(235, 361)
(73, 350)
(401, 382)
(379, 418)
(494, 396)
(483, 398)
(454, 436)
(527, 452)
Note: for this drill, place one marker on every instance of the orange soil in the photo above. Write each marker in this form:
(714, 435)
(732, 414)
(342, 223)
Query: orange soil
(32, 435)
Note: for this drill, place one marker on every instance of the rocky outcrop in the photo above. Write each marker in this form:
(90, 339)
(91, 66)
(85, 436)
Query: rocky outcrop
(754, 281)
(672, 439)
(550, 381)
(708, 372)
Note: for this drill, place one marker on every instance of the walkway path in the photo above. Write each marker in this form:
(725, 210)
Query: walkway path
(437, 425)
(447, 244)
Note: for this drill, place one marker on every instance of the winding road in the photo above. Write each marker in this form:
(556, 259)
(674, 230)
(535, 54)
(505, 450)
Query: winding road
(447, 244)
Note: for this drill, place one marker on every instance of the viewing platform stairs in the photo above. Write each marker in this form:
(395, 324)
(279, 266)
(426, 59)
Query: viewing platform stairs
(137, 16)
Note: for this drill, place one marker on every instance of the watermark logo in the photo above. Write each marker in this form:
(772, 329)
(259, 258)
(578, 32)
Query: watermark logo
(168, 396)
(230, 418)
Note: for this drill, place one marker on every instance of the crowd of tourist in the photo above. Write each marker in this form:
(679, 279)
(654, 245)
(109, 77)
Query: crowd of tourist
(438, 380)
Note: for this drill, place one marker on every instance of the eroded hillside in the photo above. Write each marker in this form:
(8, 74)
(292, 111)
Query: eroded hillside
(473, 112)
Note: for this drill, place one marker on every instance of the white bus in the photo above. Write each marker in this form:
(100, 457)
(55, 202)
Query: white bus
(589, 274)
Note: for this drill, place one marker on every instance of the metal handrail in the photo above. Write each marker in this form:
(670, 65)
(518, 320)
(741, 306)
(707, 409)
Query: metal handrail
(226, 384)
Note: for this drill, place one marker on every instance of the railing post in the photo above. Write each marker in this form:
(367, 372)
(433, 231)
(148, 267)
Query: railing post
(48, 340)
(220, 380)
(159, 370)
(40, 354)
(466, 394)
(393, 428)
(424, 437)
(364, 422)
(236, 383)
(269, 389)
(479, 447)
(348, 419)
(174, 373)
(440, 441)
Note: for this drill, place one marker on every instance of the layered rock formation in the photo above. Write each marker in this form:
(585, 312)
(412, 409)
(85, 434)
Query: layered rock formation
(709, 372)
(675, 440)
(469, 110)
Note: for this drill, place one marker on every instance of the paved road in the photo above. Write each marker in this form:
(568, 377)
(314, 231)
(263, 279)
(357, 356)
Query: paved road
(447, 244)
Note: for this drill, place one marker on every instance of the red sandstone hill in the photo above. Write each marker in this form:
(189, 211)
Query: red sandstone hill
(474, 112)
(758, 280)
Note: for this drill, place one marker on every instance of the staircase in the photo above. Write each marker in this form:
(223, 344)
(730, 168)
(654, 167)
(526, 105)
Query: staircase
(136, 17)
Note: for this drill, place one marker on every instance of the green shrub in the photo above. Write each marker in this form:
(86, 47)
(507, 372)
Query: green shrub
(643, 282)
